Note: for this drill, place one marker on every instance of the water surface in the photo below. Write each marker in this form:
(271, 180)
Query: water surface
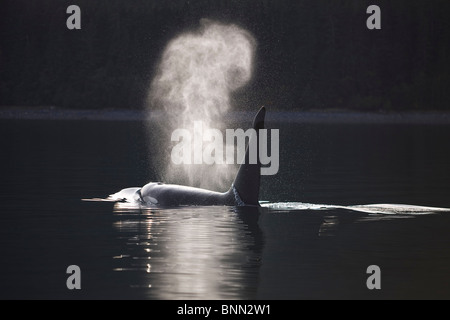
(285, 250)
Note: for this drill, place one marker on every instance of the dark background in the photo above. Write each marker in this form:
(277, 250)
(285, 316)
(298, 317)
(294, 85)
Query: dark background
(311, 54)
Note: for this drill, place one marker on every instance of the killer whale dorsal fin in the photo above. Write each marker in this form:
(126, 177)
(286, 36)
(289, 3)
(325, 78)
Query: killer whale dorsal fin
(248, 178)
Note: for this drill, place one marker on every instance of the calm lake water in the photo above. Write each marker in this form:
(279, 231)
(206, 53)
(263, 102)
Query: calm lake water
(287, 250)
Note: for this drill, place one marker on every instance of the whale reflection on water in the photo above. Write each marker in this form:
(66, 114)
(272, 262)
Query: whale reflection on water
(190, 252)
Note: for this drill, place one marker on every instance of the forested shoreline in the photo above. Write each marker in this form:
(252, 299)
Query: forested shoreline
(311, 54)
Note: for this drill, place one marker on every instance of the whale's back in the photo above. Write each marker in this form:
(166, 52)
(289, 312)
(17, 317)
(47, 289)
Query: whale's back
(156, 193)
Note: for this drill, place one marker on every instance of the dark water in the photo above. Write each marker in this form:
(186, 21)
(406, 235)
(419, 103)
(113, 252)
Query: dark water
(222, 252)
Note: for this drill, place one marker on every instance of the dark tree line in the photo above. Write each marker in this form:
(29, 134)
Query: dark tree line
(310, 54)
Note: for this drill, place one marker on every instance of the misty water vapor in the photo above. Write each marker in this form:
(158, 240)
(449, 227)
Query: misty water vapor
(195, 79)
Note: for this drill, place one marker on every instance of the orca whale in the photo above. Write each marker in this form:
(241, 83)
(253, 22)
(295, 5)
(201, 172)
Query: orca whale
(244, 191)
